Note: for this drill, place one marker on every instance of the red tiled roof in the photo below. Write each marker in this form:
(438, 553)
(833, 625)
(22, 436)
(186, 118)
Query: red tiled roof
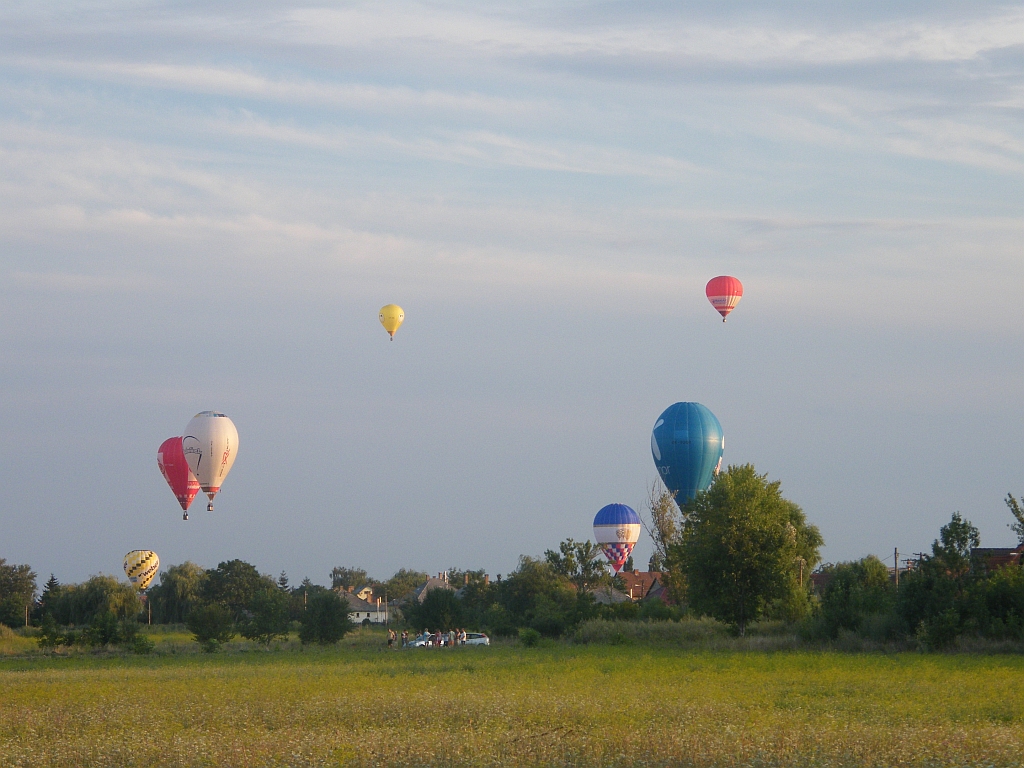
(638, 584)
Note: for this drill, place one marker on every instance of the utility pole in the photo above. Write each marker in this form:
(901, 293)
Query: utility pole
(896, 558)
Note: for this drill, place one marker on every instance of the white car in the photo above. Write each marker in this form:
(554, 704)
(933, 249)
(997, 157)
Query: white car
(477, 638)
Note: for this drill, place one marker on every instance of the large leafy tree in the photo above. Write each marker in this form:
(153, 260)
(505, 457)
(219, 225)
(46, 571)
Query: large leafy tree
(402, 583)
(935, 599)
(440, 609)
(349, 577)
(743, 548)
(234, 584)
(79, 604)
(855, 592)
(267, 616)
(325, 620)
(179, 591)
(17, 590)
(582, 562)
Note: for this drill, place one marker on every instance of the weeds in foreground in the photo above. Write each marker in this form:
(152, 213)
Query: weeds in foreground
(553, 704)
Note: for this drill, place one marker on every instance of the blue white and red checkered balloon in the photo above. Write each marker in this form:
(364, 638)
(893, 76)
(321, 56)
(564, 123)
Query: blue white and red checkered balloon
(616, 530)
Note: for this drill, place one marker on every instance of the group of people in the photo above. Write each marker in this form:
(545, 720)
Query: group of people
(437, 639)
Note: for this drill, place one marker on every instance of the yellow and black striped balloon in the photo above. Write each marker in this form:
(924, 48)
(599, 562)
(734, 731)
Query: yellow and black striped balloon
(141, 566)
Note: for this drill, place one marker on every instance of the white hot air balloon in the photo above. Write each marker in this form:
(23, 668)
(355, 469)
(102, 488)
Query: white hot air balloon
(210, 444)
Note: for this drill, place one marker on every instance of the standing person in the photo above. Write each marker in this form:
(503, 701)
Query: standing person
(451, 638)
(405, 637)
(391, 639)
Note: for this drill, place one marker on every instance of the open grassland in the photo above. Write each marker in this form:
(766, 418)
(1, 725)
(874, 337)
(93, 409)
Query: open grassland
(505, 705)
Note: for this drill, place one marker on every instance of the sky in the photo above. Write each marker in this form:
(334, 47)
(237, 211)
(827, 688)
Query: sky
(203, 205)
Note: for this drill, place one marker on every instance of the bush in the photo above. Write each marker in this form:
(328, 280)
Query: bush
(529, 637)
(267, 616)
(325, 620)
(142, 644)
(654, 609)
(687, 631)
(440, 609)
(211, 625)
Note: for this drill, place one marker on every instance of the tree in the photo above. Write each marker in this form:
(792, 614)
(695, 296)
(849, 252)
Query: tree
(1018, 515)
(536, 595)
(267, 616)
(935, 599)
(282, 582)
(440, 609)
(234, 584)
(348, 577)
(17, 591)
(582, 562)
(664, 526)
(742, 546)
(180, 590)
(953, 547)
(78, 604)
(403, 582)
(855, 592)
(325, 620)
(211, 625)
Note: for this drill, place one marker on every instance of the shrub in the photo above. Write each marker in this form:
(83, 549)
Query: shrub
(529, 637)
(142, 644)
(654, 609)
(688, 631)
(267, 616)
(211, 625)
(325, 620)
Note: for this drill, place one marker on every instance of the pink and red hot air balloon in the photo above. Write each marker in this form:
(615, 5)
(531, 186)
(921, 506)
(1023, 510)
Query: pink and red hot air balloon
(724, 293)
(171, 459)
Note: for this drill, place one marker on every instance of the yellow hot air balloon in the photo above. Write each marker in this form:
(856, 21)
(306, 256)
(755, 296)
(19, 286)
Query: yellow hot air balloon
(391, 317)
(141, 565)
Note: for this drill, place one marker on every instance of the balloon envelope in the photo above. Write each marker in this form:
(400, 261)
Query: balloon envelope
(616, 530)
(171, 461)
(141, 566)
(210, 444)
(391, 316)
(724, 293)
(687, 444)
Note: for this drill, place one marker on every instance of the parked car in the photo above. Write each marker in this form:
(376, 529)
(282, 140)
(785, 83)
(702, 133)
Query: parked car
(477, 638)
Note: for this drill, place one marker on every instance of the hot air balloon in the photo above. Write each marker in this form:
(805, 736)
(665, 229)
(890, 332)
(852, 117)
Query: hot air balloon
(687, 444)
(171, 461)
(616, 530)
(210, 444)
(141, 566)
(391, 316)
(724, 293)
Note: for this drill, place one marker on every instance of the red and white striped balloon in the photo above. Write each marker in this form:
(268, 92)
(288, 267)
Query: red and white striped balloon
(724, 293)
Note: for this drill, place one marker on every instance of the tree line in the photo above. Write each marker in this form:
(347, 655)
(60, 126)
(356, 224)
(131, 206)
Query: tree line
(739, 552)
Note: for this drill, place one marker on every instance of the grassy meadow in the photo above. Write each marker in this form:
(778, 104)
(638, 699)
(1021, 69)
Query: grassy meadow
(558, 704)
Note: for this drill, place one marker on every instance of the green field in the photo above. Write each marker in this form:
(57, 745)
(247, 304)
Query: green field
(559, 704)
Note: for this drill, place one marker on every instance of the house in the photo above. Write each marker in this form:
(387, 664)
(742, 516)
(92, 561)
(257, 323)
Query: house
(640, 585)
(364, 593)
(360, 610)
(995, 558)
(608, 596)
(434, 582)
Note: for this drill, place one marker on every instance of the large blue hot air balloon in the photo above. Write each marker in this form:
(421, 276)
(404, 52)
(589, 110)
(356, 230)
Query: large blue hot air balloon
(687, 443)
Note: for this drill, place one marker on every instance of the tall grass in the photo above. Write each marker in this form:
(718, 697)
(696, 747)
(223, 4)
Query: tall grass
(556, 705)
